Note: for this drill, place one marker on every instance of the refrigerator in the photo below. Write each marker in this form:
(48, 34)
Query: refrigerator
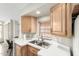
(76, 37)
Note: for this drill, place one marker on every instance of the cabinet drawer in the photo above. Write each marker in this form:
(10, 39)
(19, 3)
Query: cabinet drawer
(33, 50)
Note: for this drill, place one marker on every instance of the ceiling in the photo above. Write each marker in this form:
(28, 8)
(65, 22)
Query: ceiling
(15, 10)
(44, 10)
(11, 10)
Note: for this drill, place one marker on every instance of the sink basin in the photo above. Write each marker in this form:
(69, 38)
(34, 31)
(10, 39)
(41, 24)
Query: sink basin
(41, 44)
(34, 42)
(44, 44)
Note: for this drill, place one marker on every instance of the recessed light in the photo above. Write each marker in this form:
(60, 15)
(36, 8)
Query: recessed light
(37, 12)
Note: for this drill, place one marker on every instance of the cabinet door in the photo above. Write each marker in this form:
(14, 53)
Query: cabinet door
(26, 23)
(32, 51)
(24, 51)
(33, 24)
(18, 50)
(58, 20)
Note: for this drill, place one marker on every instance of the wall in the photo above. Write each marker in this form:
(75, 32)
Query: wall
(62, 40)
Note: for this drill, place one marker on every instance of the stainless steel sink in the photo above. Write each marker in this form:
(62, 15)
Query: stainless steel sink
(34, 42)
(44, 44)
(41, 44)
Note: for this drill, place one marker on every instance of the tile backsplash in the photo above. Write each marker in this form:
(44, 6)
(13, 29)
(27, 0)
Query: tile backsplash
(61, 40)
(28, 35)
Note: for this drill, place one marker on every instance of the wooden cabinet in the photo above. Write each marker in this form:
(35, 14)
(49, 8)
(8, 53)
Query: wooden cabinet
(61, 20)
(28, 24)
(32, 51)
(21, 50)
(18, 50)
(26, 50)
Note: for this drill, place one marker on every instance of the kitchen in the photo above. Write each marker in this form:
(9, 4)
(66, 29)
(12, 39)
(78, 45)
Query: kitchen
(41, 29)
(46, 31)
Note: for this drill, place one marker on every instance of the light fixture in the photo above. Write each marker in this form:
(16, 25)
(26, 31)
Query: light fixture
(37, 12)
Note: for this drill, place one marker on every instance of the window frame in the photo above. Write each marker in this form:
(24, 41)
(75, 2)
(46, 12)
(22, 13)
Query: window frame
(2, 32)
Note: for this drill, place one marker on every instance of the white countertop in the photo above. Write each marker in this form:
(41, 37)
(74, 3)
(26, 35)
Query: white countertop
(23, 42)
(53, 50)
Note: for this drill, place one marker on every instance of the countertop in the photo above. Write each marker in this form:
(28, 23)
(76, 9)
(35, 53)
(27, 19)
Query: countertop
(55, 48)
(22, 42)
(54, 51)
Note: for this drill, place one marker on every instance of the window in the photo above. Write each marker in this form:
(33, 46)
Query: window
(45, 28)
(1, 31)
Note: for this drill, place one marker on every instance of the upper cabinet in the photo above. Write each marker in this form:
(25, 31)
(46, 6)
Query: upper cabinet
(61, 20)
(28, 24)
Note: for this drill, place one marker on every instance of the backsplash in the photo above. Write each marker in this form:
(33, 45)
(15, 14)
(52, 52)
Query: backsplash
(61, 40)
(65, 41)
(28, 35)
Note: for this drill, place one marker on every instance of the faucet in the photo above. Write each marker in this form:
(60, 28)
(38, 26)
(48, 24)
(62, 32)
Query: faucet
(45, 38)
(40, 37)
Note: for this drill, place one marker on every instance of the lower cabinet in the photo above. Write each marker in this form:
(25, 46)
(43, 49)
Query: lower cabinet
(32, 51)
(18, 50)
(26, 50)
(21, 50)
